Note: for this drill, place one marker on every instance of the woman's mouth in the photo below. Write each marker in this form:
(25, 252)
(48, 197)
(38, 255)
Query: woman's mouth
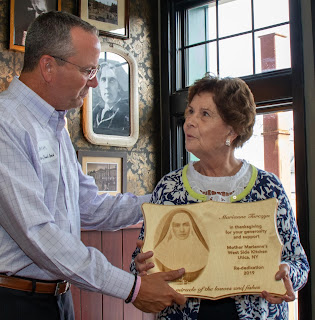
(189, 136)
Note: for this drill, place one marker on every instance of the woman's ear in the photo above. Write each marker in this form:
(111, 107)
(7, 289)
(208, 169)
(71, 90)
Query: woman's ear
(232, 135)
(47, 67)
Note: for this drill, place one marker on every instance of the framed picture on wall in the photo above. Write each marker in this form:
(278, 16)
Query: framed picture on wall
(111, 111)
(110, 17)
(22, 13)
(109, 169)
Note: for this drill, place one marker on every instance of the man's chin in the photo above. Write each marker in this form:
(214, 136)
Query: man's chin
(74, 105)
(79, 102)
(107, 99)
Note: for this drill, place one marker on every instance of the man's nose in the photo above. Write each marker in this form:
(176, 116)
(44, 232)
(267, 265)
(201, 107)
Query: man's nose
(93, 82)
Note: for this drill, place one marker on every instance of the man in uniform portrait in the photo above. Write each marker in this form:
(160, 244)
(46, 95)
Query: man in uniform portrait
(111, 116)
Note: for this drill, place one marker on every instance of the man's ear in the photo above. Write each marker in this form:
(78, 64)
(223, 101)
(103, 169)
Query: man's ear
(47, 65)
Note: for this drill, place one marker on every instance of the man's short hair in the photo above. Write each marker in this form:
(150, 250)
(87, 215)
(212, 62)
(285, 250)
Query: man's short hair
(50, 33)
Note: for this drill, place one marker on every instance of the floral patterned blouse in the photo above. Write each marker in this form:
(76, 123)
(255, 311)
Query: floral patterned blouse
(172, 191)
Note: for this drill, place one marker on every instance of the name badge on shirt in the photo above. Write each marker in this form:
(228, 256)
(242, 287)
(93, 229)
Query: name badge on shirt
(45, 151)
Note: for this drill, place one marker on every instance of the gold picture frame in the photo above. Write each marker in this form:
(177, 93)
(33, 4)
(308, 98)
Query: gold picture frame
(22, 13)
(109, 169)
(111, 20)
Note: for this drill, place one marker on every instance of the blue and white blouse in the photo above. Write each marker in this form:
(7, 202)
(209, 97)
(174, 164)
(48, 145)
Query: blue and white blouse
(174, 189)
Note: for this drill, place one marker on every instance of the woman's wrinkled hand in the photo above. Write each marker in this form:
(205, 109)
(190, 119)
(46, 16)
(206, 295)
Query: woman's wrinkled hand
(284, 274)
(140, 261)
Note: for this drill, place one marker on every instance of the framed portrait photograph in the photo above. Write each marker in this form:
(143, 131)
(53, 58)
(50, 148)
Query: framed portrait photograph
(110, 17)
(111, 111)
(22, 13)
(109, 169)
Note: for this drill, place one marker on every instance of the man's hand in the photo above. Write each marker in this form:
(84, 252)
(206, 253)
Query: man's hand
(155, 294)
(283, 273)
(141, 265)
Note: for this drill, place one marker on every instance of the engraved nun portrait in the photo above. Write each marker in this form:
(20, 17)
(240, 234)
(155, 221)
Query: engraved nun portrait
(181, 244)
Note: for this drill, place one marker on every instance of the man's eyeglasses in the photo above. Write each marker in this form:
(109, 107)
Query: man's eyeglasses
(90, 72)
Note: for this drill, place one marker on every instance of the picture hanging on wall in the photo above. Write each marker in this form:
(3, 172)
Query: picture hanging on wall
(110, 17)
(22, 14)
(109, 169)
(111, 110)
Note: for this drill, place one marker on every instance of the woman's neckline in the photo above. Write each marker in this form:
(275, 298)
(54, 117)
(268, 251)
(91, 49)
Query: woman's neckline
(215, 172)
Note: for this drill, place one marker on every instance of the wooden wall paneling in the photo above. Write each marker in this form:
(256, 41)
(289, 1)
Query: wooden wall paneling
(91, 302)
(130, 236)
(117, 247)
(76, 296)
(148, 316)
(112, 249)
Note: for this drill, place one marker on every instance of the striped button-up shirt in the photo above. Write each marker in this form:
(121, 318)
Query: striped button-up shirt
(45, 199)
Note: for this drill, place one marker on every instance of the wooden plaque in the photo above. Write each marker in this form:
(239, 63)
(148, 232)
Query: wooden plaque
(227, 249)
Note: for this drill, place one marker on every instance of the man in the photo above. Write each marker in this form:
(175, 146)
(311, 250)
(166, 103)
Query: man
(111, 116)
(44, 196)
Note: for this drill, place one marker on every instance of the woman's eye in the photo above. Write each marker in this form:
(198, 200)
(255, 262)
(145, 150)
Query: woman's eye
(188, 112)
(206, 114)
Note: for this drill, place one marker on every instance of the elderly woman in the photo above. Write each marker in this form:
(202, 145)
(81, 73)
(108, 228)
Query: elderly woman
(219, 117)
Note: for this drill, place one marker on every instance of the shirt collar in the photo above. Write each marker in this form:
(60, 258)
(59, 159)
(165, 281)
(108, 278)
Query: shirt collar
(41, 110)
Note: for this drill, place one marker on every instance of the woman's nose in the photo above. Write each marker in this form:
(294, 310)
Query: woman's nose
(190, 121)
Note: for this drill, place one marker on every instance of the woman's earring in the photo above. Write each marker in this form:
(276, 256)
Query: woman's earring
(228, 142)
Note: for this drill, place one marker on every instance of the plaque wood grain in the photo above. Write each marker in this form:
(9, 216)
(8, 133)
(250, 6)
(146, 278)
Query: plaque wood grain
(227, 249)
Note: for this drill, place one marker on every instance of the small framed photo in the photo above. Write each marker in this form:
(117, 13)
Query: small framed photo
(22, 14)
(109, 169)
(110, 114)
(110, 17)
